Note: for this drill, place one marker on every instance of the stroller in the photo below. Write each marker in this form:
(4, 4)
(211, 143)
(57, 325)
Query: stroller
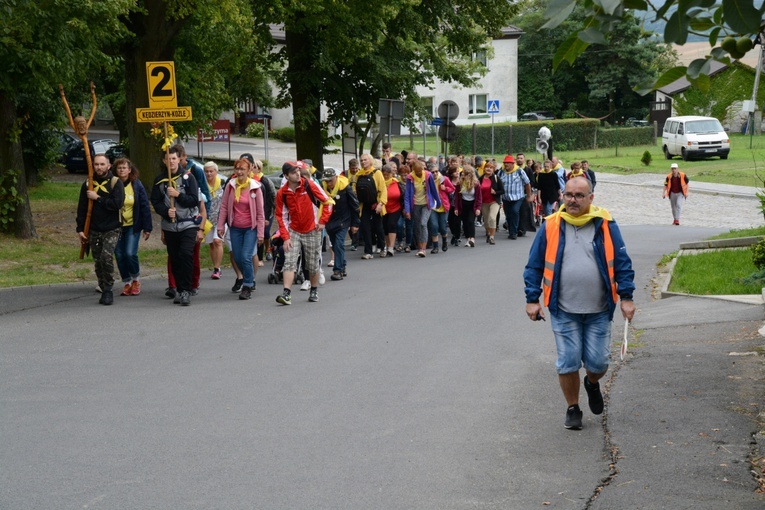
(277, 258)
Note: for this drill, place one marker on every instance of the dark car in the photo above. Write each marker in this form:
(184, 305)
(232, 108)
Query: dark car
(74, 155)
(536, 116)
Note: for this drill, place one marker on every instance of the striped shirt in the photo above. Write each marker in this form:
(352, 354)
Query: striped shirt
(515, 185)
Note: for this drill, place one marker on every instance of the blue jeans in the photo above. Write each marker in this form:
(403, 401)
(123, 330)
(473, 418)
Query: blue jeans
(243, 243)
(338, 248)
(437, 224)
(548, 208)
(582, 338)
(127, 254)
(512, 214)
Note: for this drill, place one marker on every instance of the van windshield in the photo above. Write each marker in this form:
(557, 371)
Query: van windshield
(703, 126)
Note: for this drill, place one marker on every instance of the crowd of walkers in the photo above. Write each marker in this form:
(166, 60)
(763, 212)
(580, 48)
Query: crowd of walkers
(395, 205)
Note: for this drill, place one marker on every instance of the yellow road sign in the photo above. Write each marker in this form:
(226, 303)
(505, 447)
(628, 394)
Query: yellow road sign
(161, 79)
(180, 113)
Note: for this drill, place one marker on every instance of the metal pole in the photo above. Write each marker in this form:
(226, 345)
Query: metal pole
(265, 138)
(750, 123)
(492, 135)
(424, 139)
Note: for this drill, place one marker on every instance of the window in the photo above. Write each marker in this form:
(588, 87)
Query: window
(427, 106)
(480, 56)
(477, 104)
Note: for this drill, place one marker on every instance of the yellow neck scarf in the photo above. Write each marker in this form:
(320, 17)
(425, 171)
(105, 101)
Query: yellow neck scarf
(511, 171)
(335, 188)
(240, 187)
(578, 221)
(388, 181)
(216, 185)
(577, 174)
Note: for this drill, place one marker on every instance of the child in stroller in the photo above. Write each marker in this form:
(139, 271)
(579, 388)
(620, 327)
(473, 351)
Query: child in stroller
(277, 258)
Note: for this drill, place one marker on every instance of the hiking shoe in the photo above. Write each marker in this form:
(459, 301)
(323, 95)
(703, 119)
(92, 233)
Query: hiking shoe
(125, 290)
(246, 293)
(314, 296)
(216, 274)
(107, 297)
(594, 396)
(135, 288)
(573, 418)
(306, 285)
(170, 292)
(237, 285)
(285, 298)
(185, 298)
(336, 276)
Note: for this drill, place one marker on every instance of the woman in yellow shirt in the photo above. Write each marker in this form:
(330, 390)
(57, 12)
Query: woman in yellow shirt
(136, 218)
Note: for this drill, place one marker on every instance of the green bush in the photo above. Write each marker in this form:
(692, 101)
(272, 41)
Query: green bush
(758, 254)
(568, 134)
(286, 134)
(254, 130)
(646, 159)
(9, 199)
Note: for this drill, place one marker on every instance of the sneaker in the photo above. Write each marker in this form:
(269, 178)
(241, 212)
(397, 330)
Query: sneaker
(354, 247)
(285, 298)
(521, 233)
(573, 418)
(107, 298)
(314, 296)
(306, 285)
(491, 239)
(237, 285)
(125, 290)
(421, 254)
(185, 298)
(383, 254)
(367, 256)
(444, 245)
(390, 252)
(513, 236)
(471, 243)
(376, 250)
(194, 292)
(407, 249)
(336, 276)
(177, 298)
(435, 249)
(216, 274)
(135, 288)
(345, 273)
(170, 292)
(594, 396)
(322, 280)
(246, 293)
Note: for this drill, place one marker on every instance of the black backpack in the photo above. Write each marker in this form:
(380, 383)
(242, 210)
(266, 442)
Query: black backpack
(366, 189)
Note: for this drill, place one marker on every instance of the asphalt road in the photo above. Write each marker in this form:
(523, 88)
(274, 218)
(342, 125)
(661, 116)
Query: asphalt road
(411, 384)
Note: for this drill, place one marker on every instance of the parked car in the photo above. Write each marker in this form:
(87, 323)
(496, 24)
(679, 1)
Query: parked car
(536, 116)
(694, 137)
(632, 121)
(74, 155)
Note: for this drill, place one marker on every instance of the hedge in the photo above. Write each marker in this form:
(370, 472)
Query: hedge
(568, 134)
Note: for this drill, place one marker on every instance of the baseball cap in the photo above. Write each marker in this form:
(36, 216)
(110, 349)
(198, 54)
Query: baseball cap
(673, 165)
(248, 157)
(330, 173)
(509, 159)
(289, 165)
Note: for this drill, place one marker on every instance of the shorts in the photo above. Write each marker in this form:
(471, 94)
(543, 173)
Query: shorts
(582, 338)
(310, 244)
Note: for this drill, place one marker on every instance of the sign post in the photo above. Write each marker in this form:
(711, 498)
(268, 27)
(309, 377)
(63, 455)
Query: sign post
(163, 103)
(493, 109)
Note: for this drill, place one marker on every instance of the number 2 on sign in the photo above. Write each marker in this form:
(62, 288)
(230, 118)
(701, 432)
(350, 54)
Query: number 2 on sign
(160, 77)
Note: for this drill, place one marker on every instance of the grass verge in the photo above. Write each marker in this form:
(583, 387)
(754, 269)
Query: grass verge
(701, 273)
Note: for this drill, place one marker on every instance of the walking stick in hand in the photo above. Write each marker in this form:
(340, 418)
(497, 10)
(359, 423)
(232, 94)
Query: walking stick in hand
(80, 126)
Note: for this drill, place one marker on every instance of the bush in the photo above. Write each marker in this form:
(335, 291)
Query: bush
(254, 130)
(758, 254)
(286, 134)
(646, 159)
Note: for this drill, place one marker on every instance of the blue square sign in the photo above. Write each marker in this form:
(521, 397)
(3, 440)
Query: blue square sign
(493, 105)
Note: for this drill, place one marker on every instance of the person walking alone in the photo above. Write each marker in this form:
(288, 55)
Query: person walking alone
(676, 188)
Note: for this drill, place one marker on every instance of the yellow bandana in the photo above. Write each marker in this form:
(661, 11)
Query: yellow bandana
(216, 186)
(578, 221)
(100, 187)
(240, 187)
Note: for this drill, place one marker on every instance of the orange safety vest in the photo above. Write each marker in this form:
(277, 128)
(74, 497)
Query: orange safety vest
(552, 231)
(683, 184)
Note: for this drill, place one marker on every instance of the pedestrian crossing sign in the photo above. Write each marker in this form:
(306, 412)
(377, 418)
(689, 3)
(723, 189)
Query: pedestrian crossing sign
(493, 105)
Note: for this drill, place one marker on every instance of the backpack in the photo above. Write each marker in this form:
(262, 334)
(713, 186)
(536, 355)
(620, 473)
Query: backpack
(366, 190)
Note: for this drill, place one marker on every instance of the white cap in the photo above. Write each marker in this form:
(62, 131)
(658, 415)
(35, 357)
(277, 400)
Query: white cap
(673, 165)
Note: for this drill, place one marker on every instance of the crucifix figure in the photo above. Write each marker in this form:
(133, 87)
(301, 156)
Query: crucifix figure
(80, 126)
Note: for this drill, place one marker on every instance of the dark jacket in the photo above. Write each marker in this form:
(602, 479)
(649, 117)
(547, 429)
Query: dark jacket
(106, 210)
(346, 211)
(186, 204)
(141, 209)
(549, 187)
(496, 185)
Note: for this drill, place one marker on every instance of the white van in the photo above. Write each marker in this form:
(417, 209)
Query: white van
(694, 137)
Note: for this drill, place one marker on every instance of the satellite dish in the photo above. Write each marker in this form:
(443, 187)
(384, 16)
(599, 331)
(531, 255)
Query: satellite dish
(544, 133)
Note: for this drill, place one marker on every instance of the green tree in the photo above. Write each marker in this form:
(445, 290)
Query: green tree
(44, 43)
(349, 55)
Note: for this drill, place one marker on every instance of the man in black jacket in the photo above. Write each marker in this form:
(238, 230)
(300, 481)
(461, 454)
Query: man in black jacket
(181, 221)
(107, 196)
(345, 215)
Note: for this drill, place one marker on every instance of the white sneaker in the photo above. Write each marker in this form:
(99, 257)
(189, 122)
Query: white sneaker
(376, 250)
(367, 256)
(306, 285)
(321, 277)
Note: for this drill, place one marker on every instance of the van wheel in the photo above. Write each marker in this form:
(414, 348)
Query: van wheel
(684, 155)
(666, 153)
(723, 156)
